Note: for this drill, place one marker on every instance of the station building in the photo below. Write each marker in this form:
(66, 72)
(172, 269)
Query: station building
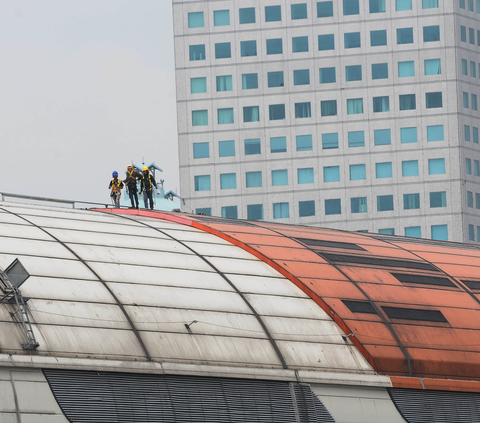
(146, 316)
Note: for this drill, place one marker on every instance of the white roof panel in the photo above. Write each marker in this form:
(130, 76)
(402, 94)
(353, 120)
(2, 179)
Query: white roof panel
(243, 267)
(263, 285)
(34, 247)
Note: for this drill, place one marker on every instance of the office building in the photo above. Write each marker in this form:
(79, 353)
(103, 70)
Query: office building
(356, 114)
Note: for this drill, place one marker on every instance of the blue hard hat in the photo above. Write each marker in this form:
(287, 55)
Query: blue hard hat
(115, 173)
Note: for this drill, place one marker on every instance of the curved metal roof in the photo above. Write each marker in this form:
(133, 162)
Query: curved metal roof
(178, 290)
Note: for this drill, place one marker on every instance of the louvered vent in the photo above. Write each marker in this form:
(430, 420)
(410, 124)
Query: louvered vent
(330, 244)
(96, 397)
(377, 261)
(423, 406)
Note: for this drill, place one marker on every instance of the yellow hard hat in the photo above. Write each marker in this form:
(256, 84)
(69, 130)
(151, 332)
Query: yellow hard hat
(129, 166)
(145, 168)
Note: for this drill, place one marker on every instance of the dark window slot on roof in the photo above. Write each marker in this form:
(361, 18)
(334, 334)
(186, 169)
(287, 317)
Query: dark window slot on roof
(414, 314)
(330, 244)
(374, 261)
(222, 221)
(473, 284)
(424, 280)
(359, 306)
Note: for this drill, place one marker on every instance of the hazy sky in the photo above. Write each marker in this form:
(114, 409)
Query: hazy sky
(86, 87)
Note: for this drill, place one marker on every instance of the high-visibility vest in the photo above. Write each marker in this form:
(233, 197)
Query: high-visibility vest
(116, 184)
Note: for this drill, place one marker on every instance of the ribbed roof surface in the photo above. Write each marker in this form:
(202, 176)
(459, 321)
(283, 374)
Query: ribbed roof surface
(122, 284)
(113, 286)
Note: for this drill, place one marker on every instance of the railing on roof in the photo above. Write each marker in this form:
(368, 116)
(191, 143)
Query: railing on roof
(73, 203)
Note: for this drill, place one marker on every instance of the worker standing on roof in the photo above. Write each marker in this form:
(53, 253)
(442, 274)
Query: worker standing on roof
(115, 186)
(131, 182)
(147, 184)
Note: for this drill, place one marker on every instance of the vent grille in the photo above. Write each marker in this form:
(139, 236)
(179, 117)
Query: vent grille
(475, 285)
(424, 280)
(100, 397)
(222, 221)
(375, 261)
(423, 406)
(359, 306)
(414, 314)
(330, 244)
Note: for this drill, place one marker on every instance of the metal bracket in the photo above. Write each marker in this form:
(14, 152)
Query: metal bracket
(13, 295)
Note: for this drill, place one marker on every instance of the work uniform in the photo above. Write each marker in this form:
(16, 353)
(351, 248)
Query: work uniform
(147, 184)
(131, 182)
(116, 185)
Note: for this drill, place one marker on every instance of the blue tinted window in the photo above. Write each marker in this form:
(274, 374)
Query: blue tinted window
(431, 4)
(358, 204)
(225, 116)
(247, 15)
(278, 145)
(354, 106)
(197, 52)
(379, 70)
(207, 211)
(249, 81)
(327, 75)
(299, 11)
(435, 133)
(438, 199)
(326, 42)
(306, 208)
(199, 117)
(224, 83)
(328, 108)
(353, 73)
(333, 206)
(299, 44)
(411, 201)
(436, 166)
(383, 170)
(280, 211)
(384, 202)
(330, 141)
(352, 39)
(377, 6)
(304, 142)
(198, 85)
(274, 46)
(221, 17)
(466, 130)
(251, 114)
(222, 51)
(410, 168)
(358, 172)
(378, 38)
(404, 35)
(253, 179)
(403, 5)
(202, 183)
(252, 146)
(431, 33)
(226, 148)
(387, 231)
(463, 33)
(230, 212)
(200, 150)
(407, 102)
(413, 231)
(275, 79)
(228, 181)
(280, 177)
(255, 212)
(406, 69)
(195, 20)
(381, 104)
(382, 137)
(305, 175)
(432, 67)
(356, 139)
(324, 9)
(408, 135)
(276, 111)
(273, 13)
(303, 110)
(350, 7)
(331, 173)
(433, 100)
(301, 77)
(248, 48)
(440, 232)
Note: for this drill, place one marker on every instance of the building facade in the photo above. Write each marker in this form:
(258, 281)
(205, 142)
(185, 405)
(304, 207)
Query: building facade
(356, 114)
